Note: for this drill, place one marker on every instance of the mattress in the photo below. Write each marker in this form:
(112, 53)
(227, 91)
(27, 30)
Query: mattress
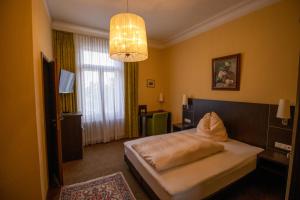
(198, 179)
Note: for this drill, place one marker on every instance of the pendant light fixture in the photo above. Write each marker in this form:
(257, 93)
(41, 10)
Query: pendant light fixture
(127, 37)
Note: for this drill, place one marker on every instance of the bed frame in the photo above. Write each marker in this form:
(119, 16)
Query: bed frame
(153, 196)
(141, 180)
(251, 123)
(246, 122)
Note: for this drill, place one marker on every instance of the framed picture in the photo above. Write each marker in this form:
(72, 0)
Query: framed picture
(226, 72)
(150, 83)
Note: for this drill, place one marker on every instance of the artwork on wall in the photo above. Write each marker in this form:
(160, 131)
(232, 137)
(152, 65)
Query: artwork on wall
(150, 83)
(226, 72)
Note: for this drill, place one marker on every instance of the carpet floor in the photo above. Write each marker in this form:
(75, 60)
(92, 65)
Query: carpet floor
(113, 186)
(99, 160)
(104, 159)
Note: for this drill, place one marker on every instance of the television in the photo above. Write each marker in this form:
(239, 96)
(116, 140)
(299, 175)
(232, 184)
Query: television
(66, 82)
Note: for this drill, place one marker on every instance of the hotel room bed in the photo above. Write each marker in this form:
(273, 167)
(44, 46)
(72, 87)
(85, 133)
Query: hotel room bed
(199, 179)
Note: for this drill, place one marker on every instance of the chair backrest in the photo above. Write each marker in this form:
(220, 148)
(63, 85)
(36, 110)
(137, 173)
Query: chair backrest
(160, 122)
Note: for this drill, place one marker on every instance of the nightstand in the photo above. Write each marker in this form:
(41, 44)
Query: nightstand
(273, 162)
(181, 127)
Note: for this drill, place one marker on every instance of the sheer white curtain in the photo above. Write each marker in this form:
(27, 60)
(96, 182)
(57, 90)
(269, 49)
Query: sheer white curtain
(100, 85)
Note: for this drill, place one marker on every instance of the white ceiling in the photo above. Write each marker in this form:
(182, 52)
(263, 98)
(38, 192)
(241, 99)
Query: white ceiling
(165, 19)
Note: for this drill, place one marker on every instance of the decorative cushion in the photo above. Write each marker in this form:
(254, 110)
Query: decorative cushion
(211, 126)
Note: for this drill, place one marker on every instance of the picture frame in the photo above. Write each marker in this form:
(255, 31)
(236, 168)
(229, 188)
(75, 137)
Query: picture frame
(150, 83)
(226, 72)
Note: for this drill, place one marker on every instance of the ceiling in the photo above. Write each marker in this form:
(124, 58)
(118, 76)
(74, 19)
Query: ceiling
(165, 19)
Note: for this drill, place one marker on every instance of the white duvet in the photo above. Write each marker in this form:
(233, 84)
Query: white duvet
(170, 150)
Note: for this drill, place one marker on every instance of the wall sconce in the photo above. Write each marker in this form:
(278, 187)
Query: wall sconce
(161, 98)
(283, 111)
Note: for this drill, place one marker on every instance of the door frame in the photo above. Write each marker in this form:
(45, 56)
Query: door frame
(293, 183)
(52, 121)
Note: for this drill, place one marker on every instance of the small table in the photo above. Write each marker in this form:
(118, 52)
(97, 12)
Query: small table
(274, 162)
(181, 127)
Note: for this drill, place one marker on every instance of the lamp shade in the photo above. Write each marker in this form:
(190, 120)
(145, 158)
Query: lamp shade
(184, 100)
(127, 38)
(161, 97)
(283, 111)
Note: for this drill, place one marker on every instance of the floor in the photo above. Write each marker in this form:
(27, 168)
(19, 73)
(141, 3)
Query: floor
(104, 159)
(99, 160)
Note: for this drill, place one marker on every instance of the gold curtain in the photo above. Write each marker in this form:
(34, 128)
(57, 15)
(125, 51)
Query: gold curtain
(131, 99)
(64, 54)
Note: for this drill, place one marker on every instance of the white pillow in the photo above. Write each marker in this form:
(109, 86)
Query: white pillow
(211, 126)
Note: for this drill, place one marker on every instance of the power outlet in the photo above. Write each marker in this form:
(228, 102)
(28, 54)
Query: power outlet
(188, 121)
(283, 146)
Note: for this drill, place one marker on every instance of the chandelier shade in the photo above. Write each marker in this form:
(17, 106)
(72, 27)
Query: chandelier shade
(127, 38)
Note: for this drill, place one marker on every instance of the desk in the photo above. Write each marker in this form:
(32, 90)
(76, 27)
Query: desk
(143, 121)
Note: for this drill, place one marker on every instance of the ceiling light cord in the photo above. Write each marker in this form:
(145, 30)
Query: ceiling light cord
(127, 6)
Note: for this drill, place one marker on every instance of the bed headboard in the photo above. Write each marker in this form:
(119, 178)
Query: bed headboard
(246, 122)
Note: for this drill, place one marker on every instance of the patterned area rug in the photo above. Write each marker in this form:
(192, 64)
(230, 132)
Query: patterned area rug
(111, 187)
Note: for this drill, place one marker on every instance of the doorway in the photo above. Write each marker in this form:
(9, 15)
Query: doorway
(52, 122)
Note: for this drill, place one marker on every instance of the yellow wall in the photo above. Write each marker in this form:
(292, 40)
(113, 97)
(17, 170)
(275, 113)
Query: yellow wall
(269, 40)
(42, 42)
(26, 31)
(153, 68)
(19, 168)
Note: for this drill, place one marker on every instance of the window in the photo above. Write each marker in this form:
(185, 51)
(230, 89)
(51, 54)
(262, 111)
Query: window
(101, 90)
(96, 58)
(102, 76)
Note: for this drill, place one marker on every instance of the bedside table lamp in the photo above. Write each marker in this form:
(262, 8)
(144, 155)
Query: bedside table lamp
(161, 98)
(184, 102)
(283, 111)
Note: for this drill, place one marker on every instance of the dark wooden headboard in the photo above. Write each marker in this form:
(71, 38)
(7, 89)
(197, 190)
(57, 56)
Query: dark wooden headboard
(246, 122)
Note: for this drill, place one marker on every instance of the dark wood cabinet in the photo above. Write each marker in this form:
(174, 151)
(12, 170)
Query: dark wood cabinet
(71, 133)
(274, 162)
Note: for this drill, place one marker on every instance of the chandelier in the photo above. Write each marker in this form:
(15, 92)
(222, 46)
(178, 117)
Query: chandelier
(127, 37)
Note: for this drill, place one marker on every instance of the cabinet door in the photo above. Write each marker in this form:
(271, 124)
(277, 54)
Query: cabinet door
(71, 137)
